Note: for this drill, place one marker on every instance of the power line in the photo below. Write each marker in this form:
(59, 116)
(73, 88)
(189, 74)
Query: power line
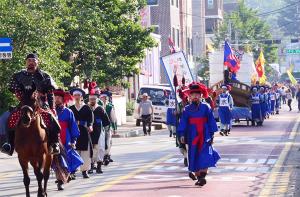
(259, 14)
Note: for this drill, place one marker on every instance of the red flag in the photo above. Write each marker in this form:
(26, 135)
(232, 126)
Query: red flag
(171, 45)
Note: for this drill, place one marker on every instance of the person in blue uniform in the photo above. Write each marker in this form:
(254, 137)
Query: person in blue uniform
(256, 112)
(197, 127)
(277, 99)
(263, 103)
(69, 130)
(225, 105)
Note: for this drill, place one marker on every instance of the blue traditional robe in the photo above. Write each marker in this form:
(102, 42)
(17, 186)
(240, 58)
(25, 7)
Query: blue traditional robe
(256, 107)
(225, 103)
(171, 117)
(197, 125)
(264, 105)
(69, 129)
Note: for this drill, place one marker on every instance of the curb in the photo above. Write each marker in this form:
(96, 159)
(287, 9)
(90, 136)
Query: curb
(133, 133)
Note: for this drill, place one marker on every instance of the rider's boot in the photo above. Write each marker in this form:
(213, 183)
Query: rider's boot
(9, 147)
(201, 179)
(99, 169)
(53, 137)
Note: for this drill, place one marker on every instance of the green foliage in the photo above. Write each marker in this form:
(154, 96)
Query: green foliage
(203, 63)
(97, 39)
(289, 18)
(250, 32)
(129, 108)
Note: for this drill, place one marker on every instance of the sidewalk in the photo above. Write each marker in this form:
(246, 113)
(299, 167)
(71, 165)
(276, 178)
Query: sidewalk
(131, 130)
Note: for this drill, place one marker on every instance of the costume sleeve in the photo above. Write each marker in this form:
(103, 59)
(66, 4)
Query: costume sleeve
(15, 87)
(89, 116)
(73, 127)
(183, 123)
(212, 125)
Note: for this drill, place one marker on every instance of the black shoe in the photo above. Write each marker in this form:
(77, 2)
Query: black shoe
(192, 176)
(7, 149)
(226, 133)
(185, 162)
(90, 171)
(201, 179)
(170, 134)
(55, 149)
(99, 170)
(222, 132)
(109, 159)
(106, 160)
(72, 176)
(149, 133)
(85, 175)
(60, 186)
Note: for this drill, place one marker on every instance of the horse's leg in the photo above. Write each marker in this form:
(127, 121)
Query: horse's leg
(39, 176)
(47, 171)
(26, 179)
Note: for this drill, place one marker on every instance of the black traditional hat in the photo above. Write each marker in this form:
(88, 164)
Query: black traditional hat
(32, 55)
(77, 90)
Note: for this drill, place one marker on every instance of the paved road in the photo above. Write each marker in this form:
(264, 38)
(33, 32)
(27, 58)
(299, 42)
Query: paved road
(253, 160)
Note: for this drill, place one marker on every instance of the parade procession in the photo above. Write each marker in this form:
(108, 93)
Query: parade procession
(164, 98)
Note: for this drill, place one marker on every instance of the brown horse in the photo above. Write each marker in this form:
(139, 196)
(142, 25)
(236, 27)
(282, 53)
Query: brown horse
(31, 146)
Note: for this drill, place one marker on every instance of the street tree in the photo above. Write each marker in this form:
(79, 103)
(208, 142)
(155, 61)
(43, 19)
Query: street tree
(289, 18)
(31, 29)
(104, 39)
(245, 28)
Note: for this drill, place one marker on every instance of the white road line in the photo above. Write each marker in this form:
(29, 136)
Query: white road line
(158, 167)
(271, 161)
(241, 168)
(172, 160)
(234, 160)
(250, 161)
(172, 168)
(261, 161)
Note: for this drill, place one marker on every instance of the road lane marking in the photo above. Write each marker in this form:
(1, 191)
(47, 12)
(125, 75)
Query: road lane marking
(128, 176)
(274, 175)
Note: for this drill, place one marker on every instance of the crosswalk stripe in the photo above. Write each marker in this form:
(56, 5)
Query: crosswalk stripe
(261, 161)
(172, 168)
(271, 161)
(250, 161)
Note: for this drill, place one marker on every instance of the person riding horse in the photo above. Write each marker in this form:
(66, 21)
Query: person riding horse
(24, 84)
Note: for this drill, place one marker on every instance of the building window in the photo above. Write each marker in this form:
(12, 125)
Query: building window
(210, 4)
(152, 2)
(155, 29)
(178, 37)
(177, 3)
(172, 2)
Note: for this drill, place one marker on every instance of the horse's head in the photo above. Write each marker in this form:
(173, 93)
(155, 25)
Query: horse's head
(26, 115)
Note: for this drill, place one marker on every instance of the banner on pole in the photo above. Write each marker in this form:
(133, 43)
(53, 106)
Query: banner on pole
(176, 63)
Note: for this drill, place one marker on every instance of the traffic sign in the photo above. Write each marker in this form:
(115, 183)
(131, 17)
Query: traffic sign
(5, 48)
(293, 51)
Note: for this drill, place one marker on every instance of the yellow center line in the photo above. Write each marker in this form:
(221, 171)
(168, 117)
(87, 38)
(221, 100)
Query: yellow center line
(275, 174)
(128, 176)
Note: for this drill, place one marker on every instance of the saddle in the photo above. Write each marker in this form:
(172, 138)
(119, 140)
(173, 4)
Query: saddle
(15, 116)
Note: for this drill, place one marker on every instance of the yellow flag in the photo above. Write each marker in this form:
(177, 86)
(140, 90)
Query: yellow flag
(292, 78)
(263, 80)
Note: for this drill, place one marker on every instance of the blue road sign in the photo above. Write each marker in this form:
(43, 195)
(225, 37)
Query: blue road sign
(5, 48)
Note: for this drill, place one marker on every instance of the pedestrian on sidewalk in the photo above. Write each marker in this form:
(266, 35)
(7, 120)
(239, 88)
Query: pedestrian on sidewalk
(283, 95)
(100, 126)
(146, 111)
(197, 127)
(289, 97)
(84, 117)
(298, 99)
(225, 105)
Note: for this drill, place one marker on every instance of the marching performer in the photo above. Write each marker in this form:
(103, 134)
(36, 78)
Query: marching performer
(110, 111)
(272, 96)
(277, 99)
(225, 105)
(197, 127)
(69, 130)
(100, 127)
(256, 107)
(84, 117)
(263, 103)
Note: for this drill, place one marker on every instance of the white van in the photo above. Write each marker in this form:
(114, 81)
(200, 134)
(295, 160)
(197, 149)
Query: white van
(159, 94)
